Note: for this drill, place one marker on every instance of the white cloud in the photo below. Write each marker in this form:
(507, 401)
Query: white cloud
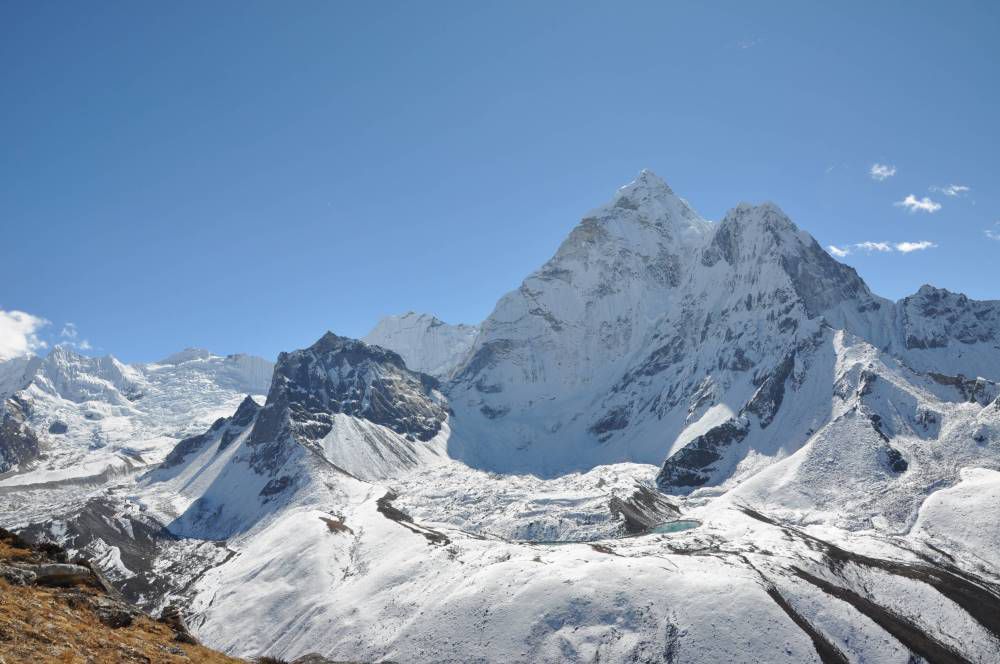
(747, 43)
(993, 233)
(912, 204)
(907, 247)
(71, 336)
(874, 246)
(881, 172)
(18, 333)
(884, 247)
(952, 190)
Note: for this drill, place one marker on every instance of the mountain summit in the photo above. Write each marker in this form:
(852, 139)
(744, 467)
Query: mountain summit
(650, 323)
(716, 415)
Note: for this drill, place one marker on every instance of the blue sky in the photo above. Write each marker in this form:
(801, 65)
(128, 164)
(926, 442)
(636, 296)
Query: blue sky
(243, 176)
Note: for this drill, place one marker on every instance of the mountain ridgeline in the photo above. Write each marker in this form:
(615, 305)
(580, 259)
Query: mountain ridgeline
(653, 334)
(381, 499)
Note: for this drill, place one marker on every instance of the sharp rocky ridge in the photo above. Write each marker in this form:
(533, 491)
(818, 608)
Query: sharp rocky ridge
(651, 328)
(660, 366)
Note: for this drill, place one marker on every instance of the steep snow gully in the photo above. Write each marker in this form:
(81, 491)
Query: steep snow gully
(676, 441)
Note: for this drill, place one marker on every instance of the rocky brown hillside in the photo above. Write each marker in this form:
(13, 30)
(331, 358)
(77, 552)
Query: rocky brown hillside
(54, 610)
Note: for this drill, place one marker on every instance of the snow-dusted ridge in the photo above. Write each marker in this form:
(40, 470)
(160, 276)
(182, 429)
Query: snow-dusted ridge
(426, 343)
(658, 367)
(98, 417)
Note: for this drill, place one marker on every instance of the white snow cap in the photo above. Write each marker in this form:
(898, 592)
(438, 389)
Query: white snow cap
(186, 355)
(649, 183)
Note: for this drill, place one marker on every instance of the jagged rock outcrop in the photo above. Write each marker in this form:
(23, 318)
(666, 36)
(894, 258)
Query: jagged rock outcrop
(224, 430)
(772, 388)
(18, 442)
(94, 418)
(653, 334)
(54, 611)
(934, 317)
(644, 509)
(338, 376)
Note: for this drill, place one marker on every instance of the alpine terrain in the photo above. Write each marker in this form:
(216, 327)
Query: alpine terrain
(679, 440)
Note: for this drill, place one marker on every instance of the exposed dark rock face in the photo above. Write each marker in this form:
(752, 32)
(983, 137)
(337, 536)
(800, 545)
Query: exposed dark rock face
(693, 465)
(767, 400)
(820, 282)
(58, 427)
(18, 443)
(664, 357)
(646, 508)
(276, 486)
(341, 375)
(59, 575)
(933, 316)
(613, 420)
(388, 510)
(975, 390)
(493, 413)
(246, 413)
(228, 428)
(894, 460)
(185, 448)
(44, 564)
(173, 617)
(139, 541)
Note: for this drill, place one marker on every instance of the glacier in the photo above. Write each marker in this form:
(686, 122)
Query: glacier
(679, 440)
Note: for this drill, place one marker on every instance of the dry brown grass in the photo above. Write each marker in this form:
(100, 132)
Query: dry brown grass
(51, 625)
(8, 552)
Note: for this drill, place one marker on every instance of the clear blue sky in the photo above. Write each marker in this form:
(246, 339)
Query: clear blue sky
(243, 176)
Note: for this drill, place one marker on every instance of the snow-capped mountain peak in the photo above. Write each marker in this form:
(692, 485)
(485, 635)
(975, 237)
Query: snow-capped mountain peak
(99, 416)
(819, 442)
(649, 200)
(426, 343)
(356, 405)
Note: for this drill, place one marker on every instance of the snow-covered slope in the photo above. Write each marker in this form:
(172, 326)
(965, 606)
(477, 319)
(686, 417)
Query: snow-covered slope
(679, 440)
(434, 561)
(425, 343)
(653, 334)
(95, 416)
(356, 405)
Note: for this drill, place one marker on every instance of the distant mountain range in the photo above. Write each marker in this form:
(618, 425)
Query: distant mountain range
(678, 440)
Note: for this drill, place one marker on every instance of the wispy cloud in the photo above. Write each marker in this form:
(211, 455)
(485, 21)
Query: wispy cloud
(749, 42)
(72, 338)
(907, 247)
(881, 172)
(18, 334)
(881, 247)
(913, 204)
(874, 246)
(993, 233)
(952, 190)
